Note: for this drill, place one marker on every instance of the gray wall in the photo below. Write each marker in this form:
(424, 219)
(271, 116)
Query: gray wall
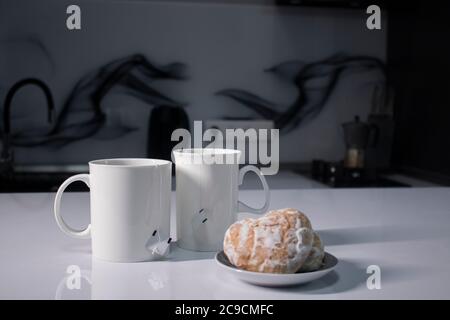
(223, 45)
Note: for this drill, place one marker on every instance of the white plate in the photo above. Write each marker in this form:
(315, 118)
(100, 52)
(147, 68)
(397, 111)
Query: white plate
(275, 279)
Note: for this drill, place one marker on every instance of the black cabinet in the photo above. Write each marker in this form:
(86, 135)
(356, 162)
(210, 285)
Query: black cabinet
(419, 68)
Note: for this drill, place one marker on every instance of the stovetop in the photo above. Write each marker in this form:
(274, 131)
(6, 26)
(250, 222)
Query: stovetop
(38, 182)
(335, 175)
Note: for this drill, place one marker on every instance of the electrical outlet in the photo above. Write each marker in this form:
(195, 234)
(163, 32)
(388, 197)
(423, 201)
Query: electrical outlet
(251, 142)
(222, 125)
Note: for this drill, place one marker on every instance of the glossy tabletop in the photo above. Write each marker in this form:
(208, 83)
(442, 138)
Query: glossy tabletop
(403, 231)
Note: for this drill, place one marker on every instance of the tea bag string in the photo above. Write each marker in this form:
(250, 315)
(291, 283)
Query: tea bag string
(160, 247)
(203, 217)
(160, 191)
(160, 203)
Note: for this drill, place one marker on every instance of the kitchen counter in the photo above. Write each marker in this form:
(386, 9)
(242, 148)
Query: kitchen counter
(405, 231)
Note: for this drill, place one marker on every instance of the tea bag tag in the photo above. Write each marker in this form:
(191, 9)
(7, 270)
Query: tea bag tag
(200, 219)
(156, 245)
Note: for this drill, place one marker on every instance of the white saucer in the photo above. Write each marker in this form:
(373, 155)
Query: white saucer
(275, 279)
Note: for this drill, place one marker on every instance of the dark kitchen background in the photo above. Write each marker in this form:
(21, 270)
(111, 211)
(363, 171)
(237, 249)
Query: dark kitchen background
(355, 107)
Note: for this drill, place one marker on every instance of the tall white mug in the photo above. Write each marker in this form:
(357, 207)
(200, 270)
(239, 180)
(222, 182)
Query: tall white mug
(130, 208)
(207, 202)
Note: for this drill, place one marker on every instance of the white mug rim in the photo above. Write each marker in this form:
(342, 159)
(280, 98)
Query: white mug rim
(129, 162)
(209, 151)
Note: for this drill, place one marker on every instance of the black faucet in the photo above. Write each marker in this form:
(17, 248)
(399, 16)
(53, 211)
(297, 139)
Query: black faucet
(6, 154)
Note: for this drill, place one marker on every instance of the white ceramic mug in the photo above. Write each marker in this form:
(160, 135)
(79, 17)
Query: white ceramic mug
(130, 208)
(207, 202)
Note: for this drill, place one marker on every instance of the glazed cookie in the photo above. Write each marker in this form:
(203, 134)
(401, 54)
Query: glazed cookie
(315, 258)
(279, 242)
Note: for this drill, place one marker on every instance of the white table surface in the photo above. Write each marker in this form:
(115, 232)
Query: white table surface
(404, 231)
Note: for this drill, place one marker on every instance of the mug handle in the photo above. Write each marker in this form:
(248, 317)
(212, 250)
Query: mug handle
(243, 206)
(80, 234)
